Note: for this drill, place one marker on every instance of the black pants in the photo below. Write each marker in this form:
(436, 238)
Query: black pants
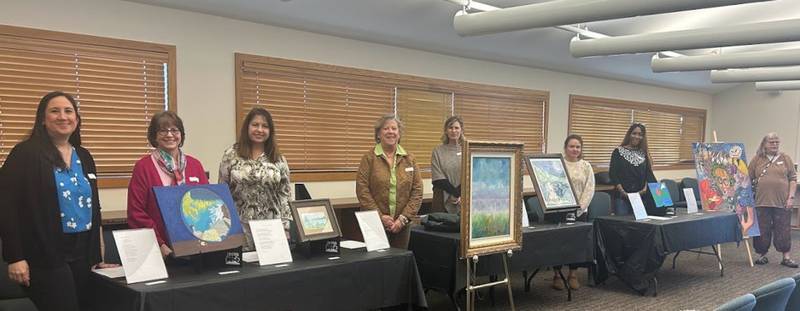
(61, 288)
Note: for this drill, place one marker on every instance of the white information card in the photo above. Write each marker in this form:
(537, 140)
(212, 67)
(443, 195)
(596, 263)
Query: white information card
(270, 240)
(372, 230)
(638, 206)
(525, 221)
(140, 255)
(691, 202)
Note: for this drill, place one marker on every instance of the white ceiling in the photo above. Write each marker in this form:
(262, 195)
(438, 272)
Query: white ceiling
(427, 25)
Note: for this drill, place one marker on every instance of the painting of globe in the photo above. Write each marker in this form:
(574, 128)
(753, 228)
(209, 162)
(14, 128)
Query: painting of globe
(205, 215)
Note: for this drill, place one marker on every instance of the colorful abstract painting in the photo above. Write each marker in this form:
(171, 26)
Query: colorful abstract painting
(660, 194)
(552, 183)
(491, 196)
(199, 218)
(724, 181)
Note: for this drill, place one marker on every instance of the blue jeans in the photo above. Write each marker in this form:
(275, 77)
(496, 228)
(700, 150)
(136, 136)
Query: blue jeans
(622, 207)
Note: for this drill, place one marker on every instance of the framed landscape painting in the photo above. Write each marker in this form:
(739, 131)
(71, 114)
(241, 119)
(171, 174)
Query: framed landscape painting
(315, 220)
(199, 218)
(491, 194)
(551, 180)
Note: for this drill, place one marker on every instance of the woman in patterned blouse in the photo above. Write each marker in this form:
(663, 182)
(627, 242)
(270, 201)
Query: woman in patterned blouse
(630, 170)
(257, 174)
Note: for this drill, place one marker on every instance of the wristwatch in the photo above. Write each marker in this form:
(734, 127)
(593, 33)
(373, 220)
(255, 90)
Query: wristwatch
(403, 220)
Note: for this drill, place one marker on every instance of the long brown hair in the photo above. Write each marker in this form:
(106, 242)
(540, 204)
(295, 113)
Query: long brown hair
(447, 124)
(244, 146)
(39, 133)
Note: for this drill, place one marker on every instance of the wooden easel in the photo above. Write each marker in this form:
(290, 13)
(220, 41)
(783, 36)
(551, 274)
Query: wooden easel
(470, 290)
(745, 237)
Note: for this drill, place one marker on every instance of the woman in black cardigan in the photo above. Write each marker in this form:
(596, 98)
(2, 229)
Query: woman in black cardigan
(631, 169)
(50, 214)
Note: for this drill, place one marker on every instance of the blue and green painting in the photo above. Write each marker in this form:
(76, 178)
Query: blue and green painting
(490, 204)
(199, 218)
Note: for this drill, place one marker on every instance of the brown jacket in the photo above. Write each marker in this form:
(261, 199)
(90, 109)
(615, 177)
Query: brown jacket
(373, 179)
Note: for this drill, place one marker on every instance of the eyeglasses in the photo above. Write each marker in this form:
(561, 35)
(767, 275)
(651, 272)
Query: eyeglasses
(173, 131)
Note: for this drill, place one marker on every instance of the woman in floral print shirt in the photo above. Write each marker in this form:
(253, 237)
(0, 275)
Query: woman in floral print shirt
(257, 174)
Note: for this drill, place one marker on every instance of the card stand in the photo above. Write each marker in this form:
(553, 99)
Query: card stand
(214, 260)
(317, 248)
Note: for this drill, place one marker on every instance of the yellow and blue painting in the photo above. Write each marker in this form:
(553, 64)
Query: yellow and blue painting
(724, 181)
(490, 204)
(660, 194)
(199, 218)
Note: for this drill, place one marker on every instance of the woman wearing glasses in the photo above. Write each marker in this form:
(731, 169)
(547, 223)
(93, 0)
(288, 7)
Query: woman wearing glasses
(631, 169)
(166, 165)
(775, 181)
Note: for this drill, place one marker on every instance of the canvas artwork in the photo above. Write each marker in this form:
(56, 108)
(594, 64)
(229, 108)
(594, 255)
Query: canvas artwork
(199, 218)
(491, 194)
(660, 194)
(551, 180)
(315, 219)
(724, 181)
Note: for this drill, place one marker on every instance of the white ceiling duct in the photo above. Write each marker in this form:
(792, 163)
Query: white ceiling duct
(778, 85)
(746, 34)
(755, 74)
(567, 12)
(724, 61)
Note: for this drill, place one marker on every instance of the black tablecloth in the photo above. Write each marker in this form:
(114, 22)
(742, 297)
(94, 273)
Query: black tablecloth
(634, 250)
(543, 246)
(357, 281)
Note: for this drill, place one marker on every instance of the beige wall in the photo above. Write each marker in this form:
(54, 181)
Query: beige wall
(742, 114)
(205, 47)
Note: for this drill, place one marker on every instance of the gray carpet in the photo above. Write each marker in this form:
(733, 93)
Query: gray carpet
(694, 285)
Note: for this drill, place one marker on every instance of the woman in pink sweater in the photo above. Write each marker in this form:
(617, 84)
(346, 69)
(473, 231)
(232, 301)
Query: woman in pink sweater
(166, 165)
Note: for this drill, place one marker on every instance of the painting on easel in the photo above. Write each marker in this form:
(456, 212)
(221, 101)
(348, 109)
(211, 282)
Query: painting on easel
(724, 182)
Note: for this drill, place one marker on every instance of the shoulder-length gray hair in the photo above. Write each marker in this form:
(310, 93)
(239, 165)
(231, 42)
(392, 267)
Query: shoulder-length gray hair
(382, 121)
(762, 149)
(447, 124)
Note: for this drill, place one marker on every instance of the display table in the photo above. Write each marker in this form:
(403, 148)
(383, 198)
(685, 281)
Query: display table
(544, 245)
(635, 250)
(357, 281)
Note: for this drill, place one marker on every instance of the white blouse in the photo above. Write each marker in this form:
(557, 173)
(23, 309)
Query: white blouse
(582, 177)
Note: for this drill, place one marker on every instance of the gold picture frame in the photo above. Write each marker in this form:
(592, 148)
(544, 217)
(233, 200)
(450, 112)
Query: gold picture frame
(491, 197)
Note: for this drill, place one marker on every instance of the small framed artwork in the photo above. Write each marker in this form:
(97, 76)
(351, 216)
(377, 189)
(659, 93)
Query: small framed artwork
(491, 196)
(551, 181)
(315, 220)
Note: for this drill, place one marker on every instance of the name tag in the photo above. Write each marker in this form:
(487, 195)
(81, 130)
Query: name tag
(409, 169)
(91, 176)
(779, 163)
(194, 179)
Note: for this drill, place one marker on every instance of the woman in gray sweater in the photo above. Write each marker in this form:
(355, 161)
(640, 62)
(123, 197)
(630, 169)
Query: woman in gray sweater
(446, 164)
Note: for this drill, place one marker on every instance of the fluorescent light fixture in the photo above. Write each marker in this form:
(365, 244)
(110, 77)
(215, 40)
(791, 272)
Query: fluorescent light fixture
(746, 34)
(724, 61)
(756, 74)
(567, 12)
(778, 85)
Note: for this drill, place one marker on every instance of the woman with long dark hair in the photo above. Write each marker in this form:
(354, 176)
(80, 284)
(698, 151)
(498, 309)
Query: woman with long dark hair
(257, 174)
(631, 169)
(50, 221)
